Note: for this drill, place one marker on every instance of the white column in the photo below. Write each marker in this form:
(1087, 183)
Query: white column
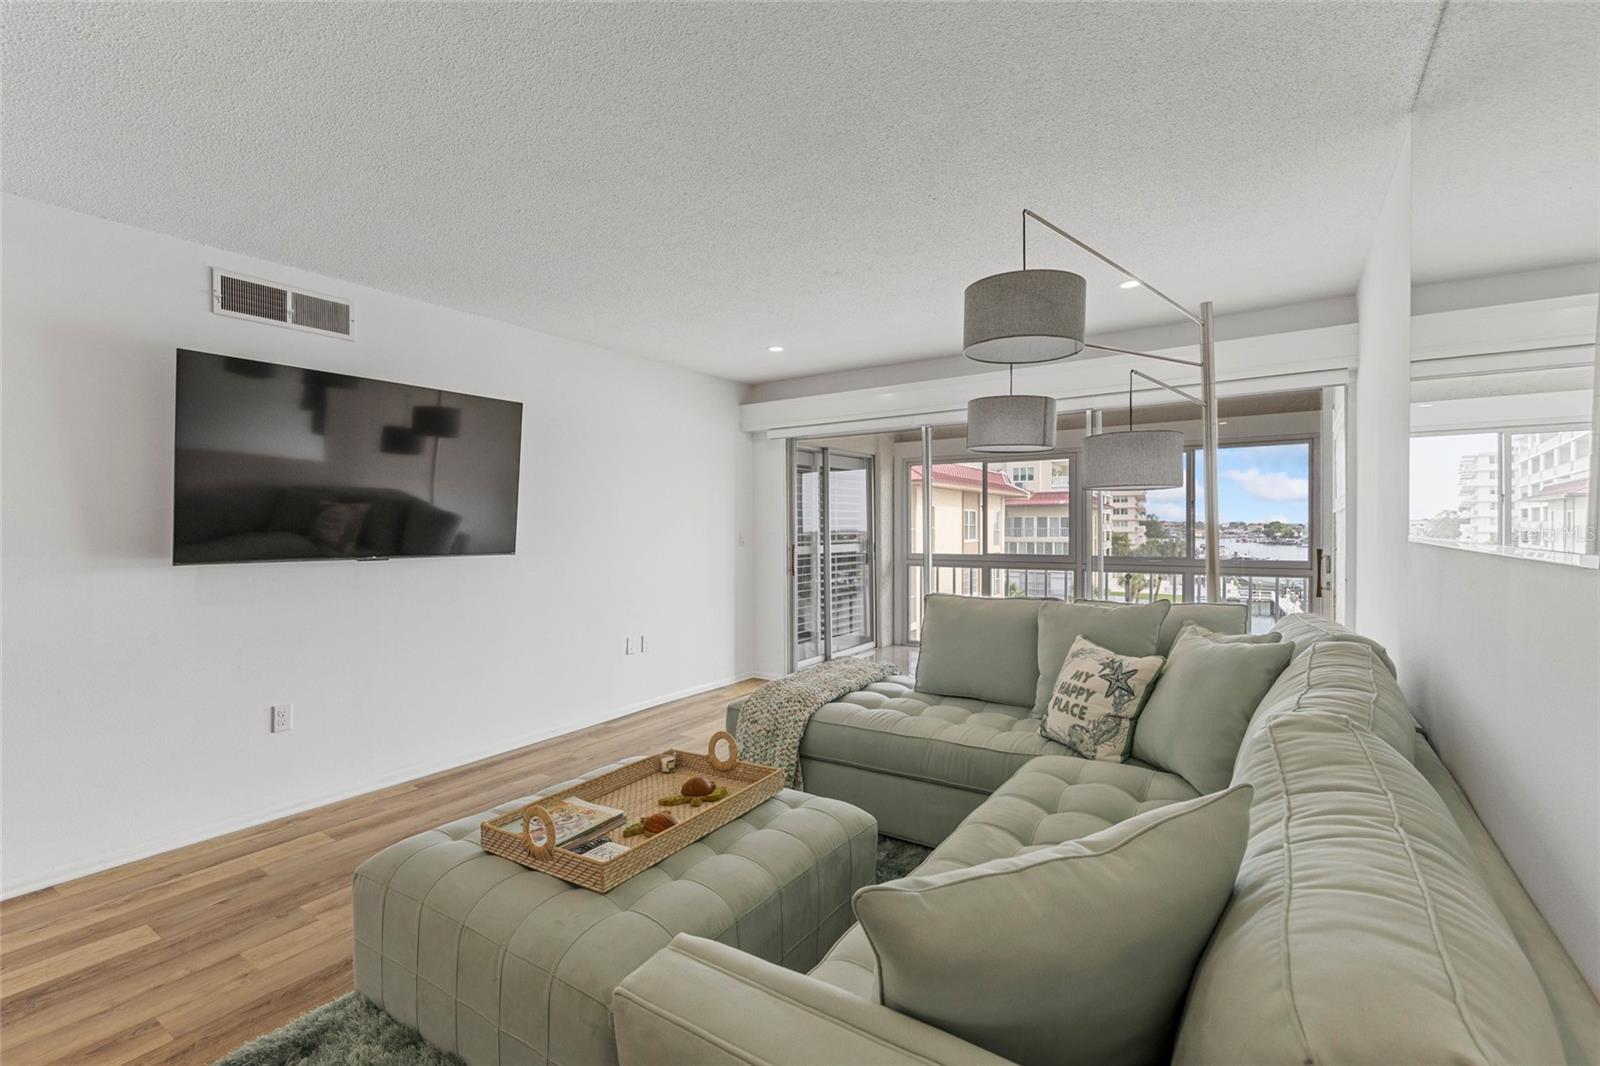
(1382, 416)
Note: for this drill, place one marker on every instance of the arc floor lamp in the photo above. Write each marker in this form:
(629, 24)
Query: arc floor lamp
(1037, 316)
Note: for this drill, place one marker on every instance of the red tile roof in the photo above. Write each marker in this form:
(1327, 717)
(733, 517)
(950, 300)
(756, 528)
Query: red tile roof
(1052, 498)
(959, 476)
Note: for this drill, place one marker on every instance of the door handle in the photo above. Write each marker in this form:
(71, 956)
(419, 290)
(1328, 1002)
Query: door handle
(1319, 573)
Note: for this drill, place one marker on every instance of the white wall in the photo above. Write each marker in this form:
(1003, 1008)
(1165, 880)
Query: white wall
(770, 493)
(136, 694)
(1502, 668)
(1381, 411)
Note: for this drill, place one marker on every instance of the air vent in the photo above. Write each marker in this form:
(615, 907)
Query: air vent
(313, 312)
(243, 297)
(262, 301)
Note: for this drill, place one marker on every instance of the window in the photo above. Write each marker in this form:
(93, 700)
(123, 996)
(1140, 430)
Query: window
(1154, 547)
(1025, 519)
(1513, 488)
(1455, 488)
(1265, 505)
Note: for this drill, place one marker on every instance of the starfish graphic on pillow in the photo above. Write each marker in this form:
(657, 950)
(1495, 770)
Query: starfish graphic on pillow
(1117, 676)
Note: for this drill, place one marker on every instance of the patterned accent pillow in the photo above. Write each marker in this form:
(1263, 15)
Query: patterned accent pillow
(1097, 697)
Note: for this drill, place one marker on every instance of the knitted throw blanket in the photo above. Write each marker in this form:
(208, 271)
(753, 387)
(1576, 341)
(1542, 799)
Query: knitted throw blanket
(773, 717)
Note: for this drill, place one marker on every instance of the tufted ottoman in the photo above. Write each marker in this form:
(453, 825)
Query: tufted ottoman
(501, 964)
(1053, 798)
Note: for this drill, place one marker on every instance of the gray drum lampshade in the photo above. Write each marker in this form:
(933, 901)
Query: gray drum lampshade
(1134, 459)
(1011, 424)
(1024, 316)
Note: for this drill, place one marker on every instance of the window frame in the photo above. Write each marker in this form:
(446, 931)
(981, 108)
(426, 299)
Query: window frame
(1083, 578)
(1506, 503)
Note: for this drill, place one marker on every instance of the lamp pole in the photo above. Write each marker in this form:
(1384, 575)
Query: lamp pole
(1208, 416)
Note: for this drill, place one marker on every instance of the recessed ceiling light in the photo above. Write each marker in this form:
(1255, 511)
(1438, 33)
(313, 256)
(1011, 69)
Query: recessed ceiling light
(1129, 285)
(776, 348)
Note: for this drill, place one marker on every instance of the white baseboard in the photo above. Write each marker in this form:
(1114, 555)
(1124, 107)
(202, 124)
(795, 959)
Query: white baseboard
(207, 831)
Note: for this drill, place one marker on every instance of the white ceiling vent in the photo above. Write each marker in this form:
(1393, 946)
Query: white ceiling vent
(241, 296)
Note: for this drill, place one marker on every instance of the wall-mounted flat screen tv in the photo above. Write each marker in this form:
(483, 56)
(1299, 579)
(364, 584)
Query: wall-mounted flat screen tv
(280, 462)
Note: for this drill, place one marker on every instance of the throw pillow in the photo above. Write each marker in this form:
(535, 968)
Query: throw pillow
(1131, 630)
(1097, 696)
(1231, 638)
(338, 524)
(1080, 952)
(1197, 715)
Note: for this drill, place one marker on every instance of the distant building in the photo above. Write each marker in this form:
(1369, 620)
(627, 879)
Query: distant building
(1478, 482)
(1550, 489)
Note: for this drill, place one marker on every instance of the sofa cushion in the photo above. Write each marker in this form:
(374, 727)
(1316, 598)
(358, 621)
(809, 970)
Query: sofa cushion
(1130, 630)
(1359, 929)
(1341, 677)
(1304, 630)
(1051, 799)
(979, 648)
(1202, 704)
(1217, 617)
(1078, 952)
(888, 728)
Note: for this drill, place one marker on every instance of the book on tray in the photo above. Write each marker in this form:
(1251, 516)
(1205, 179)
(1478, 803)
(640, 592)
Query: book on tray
(577, 820)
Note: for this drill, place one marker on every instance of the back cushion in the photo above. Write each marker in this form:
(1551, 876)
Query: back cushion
(980, 648)
(1339, 677)
(1359, 929)
(1226, 619)
(1304, 630)
(1132, 630)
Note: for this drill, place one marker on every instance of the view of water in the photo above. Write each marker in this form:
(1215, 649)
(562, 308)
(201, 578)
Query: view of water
(1249, 549)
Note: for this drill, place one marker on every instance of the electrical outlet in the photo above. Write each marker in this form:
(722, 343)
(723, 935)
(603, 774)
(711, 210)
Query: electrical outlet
(282, 717)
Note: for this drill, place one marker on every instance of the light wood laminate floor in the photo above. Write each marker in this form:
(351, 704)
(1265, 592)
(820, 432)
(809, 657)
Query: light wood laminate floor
(186, 955)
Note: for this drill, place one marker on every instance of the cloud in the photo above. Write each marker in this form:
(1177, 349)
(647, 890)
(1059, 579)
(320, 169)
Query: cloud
(1166, 504)
(1269, 485)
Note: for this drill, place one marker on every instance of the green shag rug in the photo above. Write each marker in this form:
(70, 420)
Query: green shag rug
(352, 1032)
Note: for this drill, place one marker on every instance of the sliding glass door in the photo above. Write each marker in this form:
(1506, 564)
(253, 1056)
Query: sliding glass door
(831, 552)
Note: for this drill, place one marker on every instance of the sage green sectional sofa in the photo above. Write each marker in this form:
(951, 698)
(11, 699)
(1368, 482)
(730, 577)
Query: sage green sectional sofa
(920, 754)
(1371, 918)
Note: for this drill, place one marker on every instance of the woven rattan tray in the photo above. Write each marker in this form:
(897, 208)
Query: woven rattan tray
(637, 789)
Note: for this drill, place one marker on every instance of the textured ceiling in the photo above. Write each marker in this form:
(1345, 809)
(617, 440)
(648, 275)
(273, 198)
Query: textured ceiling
(694, 183)
(1505, 141)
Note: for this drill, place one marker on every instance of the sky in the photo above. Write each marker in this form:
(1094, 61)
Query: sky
(1435, 480)
(1260, 483)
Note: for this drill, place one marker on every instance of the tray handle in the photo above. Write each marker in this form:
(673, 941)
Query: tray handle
(529, 813)
(732, 760)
